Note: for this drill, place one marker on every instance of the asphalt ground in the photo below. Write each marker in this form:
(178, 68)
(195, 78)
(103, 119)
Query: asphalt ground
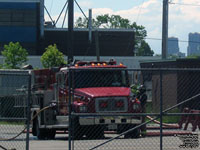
(170, 142)
(147, 143)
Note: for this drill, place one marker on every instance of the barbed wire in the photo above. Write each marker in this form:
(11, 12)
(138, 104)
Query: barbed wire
(170, 2)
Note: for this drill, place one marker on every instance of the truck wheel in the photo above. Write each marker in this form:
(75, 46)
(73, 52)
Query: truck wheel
(34, 132)
(95, 132)
(133, 134)
(51, 133)
(76, 130)
(41, 133)
(143, 131)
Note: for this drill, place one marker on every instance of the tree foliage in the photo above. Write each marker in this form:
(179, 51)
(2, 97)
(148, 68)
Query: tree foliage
(117, 22)
(15, 55)
(144, 49)
(197, 56)
(52, 57)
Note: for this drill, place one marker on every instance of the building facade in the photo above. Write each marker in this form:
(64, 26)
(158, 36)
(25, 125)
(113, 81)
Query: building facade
(23, 21)
(193, 44)
(173, 47)
(177, 85)
(19, 22)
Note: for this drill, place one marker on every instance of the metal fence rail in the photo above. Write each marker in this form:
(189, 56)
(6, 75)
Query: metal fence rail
(14, 110)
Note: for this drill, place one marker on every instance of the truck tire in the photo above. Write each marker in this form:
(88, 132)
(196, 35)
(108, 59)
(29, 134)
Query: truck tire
(41, 133)
(133, 134)
(95, 132)
(51, 133)
(34, 132)
(76, 130)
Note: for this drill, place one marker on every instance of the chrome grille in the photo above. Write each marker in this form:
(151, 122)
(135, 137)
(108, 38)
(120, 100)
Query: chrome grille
(111, 104)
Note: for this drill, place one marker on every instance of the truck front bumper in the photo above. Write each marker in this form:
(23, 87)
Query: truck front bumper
(94, 120)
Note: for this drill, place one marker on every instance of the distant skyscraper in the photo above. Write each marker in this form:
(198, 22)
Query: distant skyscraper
(173, 48)
(193, 44)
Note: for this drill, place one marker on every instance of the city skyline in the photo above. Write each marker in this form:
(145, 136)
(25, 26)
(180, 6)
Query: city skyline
(193, 47)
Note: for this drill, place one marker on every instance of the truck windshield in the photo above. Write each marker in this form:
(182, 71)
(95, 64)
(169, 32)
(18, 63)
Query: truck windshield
(100, 78)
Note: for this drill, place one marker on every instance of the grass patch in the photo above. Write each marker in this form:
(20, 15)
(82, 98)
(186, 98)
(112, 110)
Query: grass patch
(12, 122)
(166, 119)
(172, 119)
(149, 107)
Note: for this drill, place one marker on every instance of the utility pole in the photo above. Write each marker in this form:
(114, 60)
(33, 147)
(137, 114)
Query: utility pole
(165, 29)
(42, 19)
(90, 26)
(70, 30)
(97, 44)
(70, 59)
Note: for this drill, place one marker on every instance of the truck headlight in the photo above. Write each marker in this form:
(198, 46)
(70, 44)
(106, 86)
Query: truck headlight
(83, 108)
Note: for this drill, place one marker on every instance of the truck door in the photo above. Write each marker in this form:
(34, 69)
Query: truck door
(62, 87)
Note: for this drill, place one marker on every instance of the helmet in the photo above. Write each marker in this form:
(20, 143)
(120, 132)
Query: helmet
(134, 88)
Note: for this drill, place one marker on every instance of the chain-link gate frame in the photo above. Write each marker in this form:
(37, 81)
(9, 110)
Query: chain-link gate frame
(16, 90)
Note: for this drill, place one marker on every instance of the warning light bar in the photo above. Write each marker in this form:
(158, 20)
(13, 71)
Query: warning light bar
(96, 63)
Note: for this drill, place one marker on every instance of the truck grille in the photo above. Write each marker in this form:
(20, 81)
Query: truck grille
(111, 104)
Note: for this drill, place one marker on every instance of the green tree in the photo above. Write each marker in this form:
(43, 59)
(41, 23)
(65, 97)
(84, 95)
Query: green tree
(194, 56)
(144, 49)
(52, 57)
(81, 23)
(15, 55)
(116, 21)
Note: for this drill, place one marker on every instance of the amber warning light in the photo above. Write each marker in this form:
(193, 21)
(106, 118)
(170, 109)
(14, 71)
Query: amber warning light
(96, 63)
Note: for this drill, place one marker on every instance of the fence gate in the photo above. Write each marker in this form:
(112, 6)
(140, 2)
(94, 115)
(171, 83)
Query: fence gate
(14, 110)
(170, 116)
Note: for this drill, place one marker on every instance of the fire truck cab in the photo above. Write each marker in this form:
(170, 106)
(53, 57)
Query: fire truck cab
(98, 90)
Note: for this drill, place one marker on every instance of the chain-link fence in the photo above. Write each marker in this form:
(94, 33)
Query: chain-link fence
(109, 109)
(161, 110)
(14, 106)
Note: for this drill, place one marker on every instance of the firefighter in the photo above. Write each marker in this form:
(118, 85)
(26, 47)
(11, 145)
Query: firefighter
(143, 100)
(139, 92)
(134, 89)
(142, 95)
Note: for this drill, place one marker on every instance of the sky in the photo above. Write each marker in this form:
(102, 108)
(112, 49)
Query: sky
(184, 16)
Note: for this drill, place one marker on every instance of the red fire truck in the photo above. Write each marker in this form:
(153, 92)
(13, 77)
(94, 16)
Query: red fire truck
(98, 88)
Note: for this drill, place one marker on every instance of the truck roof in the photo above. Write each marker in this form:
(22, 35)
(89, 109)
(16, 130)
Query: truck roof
(97, 64)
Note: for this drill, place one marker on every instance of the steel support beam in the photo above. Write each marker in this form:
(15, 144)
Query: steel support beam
(70, 30)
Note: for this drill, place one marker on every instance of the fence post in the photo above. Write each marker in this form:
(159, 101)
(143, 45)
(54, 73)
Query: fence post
(161, 112)
(0, 109)
(69, 108)
(28, 112)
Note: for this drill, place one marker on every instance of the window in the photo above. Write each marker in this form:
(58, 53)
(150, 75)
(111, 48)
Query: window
(100, 78)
